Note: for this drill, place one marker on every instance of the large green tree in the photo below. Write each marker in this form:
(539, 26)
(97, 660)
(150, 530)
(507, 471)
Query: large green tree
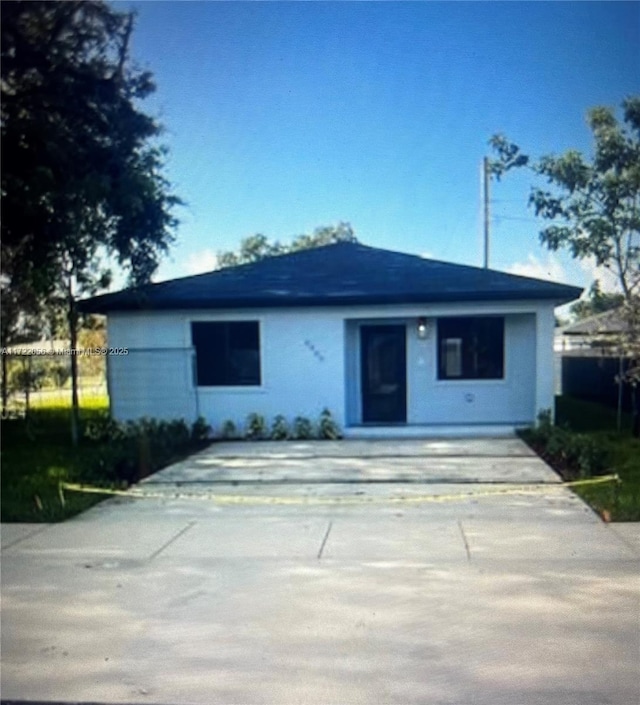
(82, 179)
(257, 247)
(593, 208)
(593, 204)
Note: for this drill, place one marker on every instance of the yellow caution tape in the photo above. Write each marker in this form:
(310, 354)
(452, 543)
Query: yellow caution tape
(135, 493)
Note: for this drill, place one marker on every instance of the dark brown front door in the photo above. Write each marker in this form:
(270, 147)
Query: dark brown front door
(383, 366)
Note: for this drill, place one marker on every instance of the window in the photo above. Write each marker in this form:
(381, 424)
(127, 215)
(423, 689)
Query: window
(227, 353)
(471, 348)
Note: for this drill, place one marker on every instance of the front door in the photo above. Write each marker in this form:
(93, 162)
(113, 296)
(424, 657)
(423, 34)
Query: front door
(383, 365)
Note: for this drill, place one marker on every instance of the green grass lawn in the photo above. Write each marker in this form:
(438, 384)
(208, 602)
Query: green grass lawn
(37, 455)
(622, 502)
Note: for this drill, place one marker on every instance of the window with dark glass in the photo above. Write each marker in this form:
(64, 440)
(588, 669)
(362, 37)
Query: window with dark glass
(227, 353)
(471, 348)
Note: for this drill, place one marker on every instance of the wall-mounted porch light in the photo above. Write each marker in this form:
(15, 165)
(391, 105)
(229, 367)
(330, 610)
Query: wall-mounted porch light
(422, 329)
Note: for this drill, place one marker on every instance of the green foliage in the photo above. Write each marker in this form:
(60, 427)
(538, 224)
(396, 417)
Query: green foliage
(58, 373)
(134, 449)
(103, 428)
(302, 429)
(257, 247)
(82, 176)
(252, 249)
(592, 457)
(229, 431)
(327, 427)
(200, 430)
(598, 302)
(324, 235)
(594, 203)
(255, 427)
(27, 377)
(585, 443)
(37, 456)
(575, 455)
(279, 429)
(543, 430)
(81, 171)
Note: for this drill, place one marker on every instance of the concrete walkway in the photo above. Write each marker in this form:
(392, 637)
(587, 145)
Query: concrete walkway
(327, 587)
(463, 460)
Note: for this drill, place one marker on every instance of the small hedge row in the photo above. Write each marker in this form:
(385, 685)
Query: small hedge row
(129, 451)
(575, 456)
(257, 428)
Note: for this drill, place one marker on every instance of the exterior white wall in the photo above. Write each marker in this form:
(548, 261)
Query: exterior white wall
(431, 401)
(502, 401)
(156, 384)
(310, 359)
(302, 367)
(545, 368)
(155, 377)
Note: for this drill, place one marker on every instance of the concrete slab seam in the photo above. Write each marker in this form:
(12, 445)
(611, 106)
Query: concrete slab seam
(26, 536)
(464, 540)
(168, 543)
(324, 540)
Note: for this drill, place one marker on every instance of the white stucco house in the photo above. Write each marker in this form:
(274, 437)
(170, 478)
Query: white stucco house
(390, 343)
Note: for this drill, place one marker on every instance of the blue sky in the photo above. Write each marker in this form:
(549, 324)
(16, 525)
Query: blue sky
(281, 117)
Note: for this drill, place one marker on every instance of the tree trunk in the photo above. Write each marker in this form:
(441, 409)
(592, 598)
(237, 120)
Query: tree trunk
(26, 369)
(5, 389)
(72, 319)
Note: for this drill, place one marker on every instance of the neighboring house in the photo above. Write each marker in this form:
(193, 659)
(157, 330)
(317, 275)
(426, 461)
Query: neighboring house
(602, 330)
(388, 342)
(593, 363)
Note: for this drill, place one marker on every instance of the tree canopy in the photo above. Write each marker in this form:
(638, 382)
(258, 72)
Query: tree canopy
(593, 204)
(257, 247)
(598, 302)
(82, 176)
(82, 170)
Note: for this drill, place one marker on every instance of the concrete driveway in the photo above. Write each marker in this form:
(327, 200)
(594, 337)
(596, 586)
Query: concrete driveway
(349, 572)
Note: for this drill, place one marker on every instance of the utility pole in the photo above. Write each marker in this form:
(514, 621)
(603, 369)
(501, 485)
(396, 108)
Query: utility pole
(485, 198)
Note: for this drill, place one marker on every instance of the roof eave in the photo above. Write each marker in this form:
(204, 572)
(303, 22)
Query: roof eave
(104, 307)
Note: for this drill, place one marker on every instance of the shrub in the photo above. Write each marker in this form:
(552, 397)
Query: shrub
(256, 427)
(327, 427)
(104, 429)
(175, 435)
(279, 429)
(200, 430)
(543, 430)
(130, 451)
(593, 458)
(228, 431)
(558, 443)
(573, 455)
(302, 428)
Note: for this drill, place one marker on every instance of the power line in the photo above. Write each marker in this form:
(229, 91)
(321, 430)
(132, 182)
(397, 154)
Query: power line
(514, 217)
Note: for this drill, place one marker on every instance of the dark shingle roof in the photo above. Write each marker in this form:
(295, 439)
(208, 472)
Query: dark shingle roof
(341, 274)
